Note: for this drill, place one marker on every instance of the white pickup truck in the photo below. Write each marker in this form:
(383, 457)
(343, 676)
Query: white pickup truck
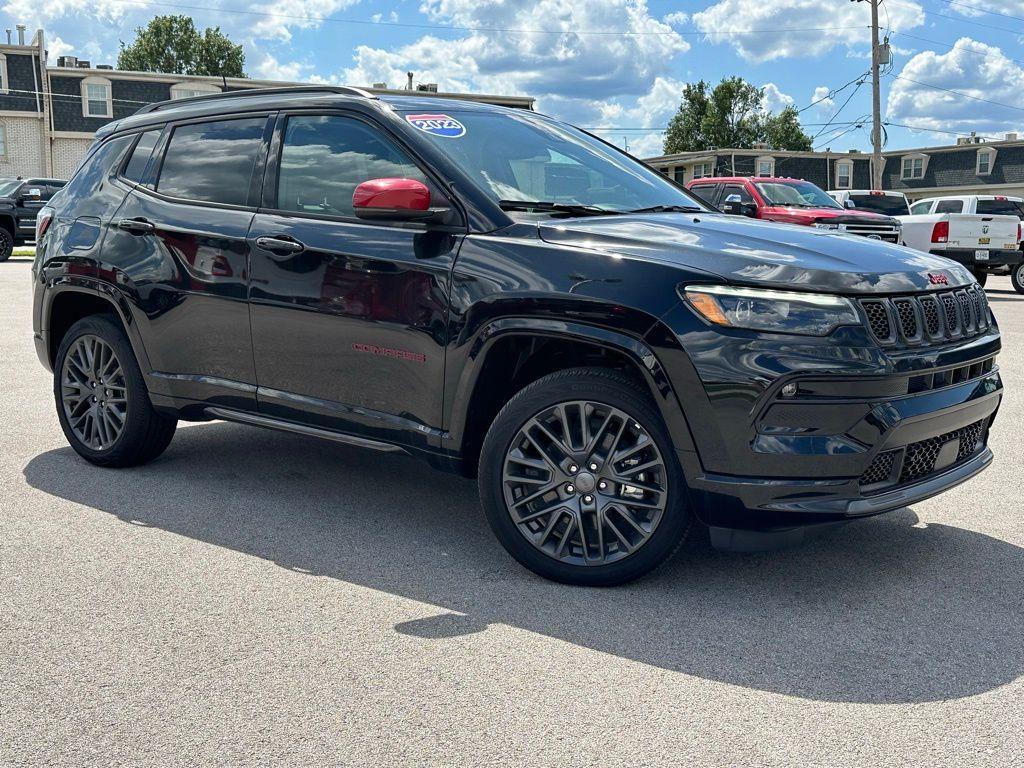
(982, 232)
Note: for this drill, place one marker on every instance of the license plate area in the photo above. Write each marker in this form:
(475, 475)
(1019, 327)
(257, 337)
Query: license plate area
(981, 255)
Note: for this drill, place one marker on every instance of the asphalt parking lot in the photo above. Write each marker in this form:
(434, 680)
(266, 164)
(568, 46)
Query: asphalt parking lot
(255, 598)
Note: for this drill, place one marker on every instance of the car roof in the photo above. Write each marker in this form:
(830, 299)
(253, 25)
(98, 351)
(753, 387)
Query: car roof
(263, 99)
(751, 179)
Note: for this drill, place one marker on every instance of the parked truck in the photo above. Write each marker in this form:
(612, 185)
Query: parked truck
(982, 232)
(885, 202)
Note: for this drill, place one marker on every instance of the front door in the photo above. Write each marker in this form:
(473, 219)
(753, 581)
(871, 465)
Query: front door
(349, 318)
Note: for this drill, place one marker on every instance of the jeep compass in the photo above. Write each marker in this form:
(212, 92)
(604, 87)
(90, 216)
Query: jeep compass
(509, 297)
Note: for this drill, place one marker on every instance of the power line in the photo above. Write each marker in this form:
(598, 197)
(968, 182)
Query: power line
(838, 111)
(952, 47)
(982, 10)
(957, 93)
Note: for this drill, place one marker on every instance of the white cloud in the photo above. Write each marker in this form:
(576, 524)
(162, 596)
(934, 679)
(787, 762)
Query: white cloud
(826, 105)
(990, 76)
(289, 14)
(774, 99)
(676, 19)
(56, 48)
(551, 59)
(825, 25)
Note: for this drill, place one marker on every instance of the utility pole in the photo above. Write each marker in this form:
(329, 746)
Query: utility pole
(877, 165)
(876, 103)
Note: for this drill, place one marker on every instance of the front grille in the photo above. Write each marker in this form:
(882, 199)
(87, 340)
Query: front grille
(887, 232)
(880, 469)
(919, 458)
(927, 318)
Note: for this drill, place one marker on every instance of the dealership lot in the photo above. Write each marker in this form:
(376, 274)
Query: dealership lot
(254, 597)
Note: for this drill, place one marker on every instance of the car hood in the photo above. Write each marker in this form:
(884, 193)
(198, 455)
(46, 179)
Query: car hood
(753, 252)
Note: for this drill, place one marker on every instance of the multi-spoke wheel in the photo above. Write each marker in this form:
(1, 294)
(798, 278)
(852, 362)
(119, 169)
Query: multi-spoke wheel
(579, 480)
(102, 402)
(93, 392)
(1017, 277)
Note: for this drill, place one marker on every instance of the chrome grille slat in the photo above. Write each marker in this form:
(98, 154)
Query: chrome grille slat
(932, 318)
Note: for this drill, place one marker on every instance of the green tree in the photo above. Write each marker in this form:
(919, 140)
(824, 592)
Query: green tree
(731, 114)
(172, 44)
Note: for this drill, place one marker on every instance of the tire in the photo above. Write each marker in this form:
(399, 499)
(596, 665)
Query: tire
(981, 276)
(562, 543)
(6, 244)
(1017, 278)
(124, 432)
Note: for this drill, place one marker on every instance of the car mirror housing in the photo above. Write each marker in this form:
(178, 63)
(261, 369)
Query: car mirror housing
(394, 199)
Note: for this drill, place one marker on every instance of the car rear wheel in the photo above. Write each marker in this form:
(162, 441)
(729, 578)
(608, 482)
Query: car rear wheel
(1017, 278)
(102, 402)
(6, 244)
(580, 482)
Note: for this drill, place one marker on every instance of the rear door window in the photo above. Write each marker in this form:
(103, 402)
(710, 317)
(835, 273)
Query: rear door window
(325, 157)
(212, 162)
(950, 206)
(705, 192)
(920, 208)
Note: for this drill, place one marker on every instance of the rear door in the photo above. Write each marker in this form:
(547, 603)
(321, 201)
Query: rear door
(349, 317)
(178, 249)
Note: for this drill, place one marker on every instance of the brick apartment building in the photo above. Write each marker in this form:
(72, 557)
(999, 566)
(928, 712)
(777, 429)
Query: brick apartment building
(48, 114)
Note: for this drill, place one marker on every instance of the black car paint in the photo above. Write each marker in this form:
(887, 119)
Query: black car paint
(18, 211)
(439, 300)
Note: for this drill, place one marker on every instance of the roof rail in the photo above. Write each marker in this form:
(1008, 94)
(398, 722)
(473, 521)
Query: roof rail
(346, 90)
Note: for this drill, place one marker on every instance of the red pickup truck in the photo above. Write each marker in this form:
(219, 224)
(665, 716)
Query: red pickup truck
(792, 201)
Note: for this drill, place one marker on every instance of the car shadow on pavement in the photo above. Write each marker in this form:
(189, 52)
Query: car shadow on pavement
(884, 610)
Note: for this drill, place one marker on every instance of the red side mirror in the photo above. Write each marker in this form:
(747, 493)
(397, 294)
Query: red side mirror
(393, 199)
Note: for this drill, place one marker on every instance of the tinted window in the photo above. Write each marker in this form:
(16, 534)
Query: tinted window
(950, 206)
(890, 205)
(212, 162)
(324, 159)
(1000, 208)
(140, 156)
(736, 189)
(919, 208)
(84, 185)
(705, 192)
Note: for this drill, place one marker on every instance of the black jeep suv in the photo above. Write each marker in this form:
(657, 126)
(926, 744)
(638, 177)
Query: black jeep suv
(20, 201)
(510, 297)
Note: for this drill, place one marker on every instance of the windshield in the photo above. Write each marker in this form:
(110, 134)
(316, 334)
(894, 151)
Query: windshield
(1002, 207)
(527, 158)
(9, 186)
(890, 205)
(801, 194)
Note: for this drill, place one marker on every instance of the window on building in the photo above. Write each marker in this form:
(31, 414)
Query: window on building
(188, 90)
(3, 140)
(703, 170)
(844, 175)
(136, 166)
(3, 74)
(96, 97)
(325, 157)
(913, 167)
(950, 206)
(986, 158)
(679, 175)
(212, 162)
(764, 166)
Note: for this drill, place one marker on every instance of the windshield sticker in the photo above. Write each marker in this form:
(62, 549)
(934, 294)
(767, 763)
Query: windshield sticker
(437, 125)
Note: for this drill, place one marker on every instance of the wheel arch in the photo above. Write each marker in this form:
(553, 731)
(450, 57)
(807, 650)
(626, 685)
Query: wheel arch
(510, 353)
(67, 303)
(8, 223)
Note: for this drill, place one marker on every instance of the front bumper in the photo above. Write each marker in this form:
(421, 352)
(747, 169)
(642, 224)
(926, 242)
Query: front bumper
(793, 432)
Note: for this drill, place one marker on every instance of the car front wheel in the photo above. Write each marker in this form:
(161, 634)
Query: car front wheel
(6, 244)
(580, 482)
(102, 402)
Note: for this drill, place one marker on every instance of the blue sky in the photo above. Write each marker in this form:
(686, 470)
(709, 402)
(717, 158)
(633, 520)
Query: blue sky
(618, 65)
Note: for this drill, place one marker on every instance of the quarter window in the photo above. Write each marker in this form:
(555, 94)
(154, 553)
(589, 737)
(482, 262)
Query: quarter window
(212, 162)
(324, 159)
(96, 98)
(140, 156)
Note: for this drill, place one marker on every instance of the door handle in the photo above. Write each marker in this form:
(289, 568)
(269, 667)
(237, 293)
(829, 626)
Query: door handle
(136, 226)
(280, 247)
